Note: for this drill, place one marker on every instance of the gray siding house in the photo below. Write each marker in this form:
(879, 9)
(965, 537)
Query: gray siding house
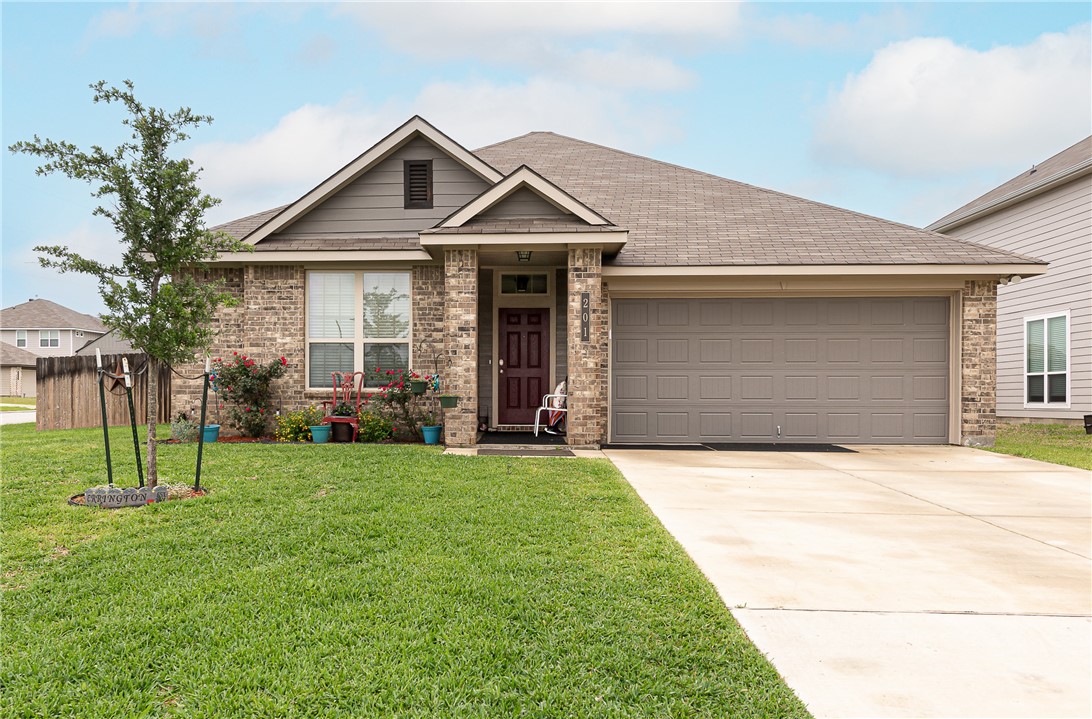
(1044, 323)
(683, 308)
(47, 329)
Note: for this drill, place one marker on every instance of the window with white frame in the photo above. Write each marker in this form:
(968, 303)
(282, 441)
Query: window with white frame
(20, 338)
(1046, 360)
(49, 338)
(357, 321)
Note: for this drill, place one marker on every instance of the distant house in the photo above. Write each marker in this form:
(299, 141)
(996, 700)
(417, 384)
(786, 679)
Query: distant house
(17, 371)
(47, 329)
(107, 344)
(1044, 323)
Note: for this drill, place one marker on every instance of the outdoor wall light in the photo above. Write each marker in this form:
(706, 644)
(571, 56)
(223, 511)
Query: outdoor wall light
(523, 255)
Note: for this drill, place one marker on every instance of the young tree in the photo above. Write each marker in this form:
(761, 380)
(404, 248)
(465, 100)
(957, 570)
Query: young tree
(157, 209)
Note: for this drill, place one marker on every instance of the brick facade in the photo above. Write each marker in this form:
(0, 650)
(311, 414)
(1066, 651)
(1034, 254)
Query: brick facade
(461, 345)
(586, 423)
(978, 363)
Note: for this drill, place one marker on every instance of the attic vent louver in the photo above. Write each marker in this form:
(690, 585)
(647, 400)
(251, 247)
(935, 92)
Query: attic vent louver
(418, 183)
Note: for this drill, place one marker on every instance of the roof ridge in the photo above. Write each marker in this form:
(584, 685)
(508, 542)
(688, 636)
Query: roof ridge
(759, 188)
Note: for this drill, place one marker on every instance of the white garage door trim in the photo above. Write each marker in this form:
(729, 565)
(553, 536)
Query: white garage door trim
(928, 417)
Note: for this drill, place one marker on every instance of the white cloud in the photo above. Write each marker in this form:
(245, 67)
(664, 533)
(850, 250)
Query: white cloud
(91, 238)
(811, 31)
(927, 106)
(310, 143)
(616, 45)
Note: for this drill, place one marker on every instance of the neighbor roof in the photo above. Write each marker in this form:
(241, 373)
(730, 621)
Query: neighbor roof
(43, 314)
(682, 217)
(11, 356)
(1069, 163)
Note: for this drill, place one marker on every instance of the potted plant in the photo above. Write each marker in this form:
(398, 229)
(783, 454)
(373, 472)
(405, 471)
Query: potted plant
(430, 429)
(448, 401)
(342, 431)
(320, 433)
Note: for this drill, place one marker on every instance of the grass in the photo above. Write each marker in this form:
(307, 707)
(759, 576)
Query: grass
(1055, 443)
(336, 580)
(24, 403)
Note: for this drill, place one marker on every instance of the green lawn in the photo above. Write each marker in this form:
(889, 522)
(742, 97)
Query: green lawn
(336, 580)
(24, 403)
(1056, 443)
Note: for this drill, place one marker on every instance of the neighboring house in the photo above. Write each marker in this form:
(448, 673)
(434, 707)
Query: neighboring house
(47, 329)
(17, 372)
(1044, 323)
(106, 344)
(682, 307)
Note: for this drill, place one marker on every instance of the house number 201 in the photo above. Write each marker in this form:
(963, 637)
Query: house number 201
(585, 317)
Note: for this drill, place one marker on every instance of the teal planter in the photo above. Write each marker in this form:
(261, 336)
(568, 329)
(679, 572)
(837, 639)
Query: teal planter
(320, 434)
(432, 433)
(210, 432)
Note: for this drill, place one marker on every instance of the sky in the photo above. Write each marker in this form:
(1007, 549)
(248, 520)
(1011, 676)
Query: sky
(902, 111)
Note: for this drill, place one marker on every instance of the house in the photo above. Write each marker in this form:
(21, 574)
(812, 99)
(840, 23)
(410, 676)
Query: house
(682, 307)
(17, 372)
(1044, 323)
(47, 329)
(108, 343)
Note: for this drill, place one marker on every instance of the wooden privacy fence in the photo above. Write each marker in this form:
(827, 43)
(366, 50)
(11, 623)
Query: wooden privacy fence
(68, 392)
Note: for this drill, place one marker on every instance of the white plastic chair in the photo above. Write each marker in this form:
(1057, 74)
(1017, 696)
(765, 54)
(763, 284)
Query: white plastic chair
(562, 401)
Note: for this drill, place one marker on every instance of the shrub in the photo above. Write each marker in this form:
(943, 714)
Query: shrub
(397, 403)
(183, 428)
(296, 426)
(247, 387)
(374, 427)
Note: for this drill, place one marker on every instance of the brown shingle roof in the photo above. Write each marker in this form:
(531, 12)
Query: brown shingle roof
(682, 217)
(243, 226)
(11, 356)
(337, 243)
(43, 314)
(1064, 160)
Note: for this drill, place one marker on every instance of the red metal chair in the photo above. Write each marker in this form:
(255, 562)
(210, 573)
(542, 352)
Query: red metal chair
(348, 388)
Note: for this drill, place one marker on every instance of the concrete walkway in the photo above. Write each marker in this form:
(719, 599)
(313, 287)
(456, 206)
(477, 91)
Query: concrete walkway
(895, 581)
(18, 417)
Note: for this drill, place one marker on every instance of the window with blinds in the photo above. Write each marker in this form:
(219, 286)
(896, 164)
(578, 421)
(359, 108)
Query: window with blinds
(1046, 360)
(417, 176)
(357, 322)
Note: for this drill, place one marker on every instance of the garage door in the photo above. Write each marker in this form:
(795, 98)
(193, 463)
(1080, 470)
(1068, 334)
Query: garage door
(841, 370)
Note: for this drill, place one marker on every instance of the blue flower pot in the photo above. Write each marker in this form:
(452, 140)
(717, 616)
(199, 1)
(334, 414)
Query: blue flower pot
(320, 434)
(432, 433)
(210, 432)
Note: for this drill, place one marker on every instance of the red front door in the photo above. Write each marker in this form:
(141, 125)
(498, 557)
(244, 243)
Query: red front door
(523, 371)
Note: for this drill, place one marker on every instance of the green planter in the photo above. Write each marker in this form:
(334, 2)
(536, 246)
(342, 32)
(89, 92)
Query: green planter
(447, 401)
(418, 386)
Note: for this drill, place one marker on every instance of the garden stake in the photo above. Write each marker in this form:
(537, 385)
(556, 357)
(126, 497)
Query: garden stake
(105, 426)
(132, 418)
(201, 435)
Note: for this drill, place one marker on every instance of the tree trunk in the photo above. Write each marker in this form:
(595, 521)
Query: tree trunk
(153, 413)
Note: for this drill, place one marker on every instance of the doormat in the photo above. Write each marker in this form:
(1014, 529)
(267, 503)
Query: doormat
(525, 453)
(736, 447)
(522, 438)
(775, 447)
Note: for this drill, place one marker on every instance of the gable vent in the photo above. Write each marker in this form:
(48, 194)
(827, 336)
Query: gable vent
(418, 180)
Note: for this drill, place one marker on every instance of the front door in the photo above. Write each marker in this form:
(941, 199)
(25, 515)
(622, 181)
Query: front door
(523, 367)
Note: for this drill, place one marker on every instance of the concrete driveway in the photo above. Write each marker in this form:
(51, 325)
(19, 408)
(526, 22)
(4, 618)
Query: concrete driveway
(894, 581)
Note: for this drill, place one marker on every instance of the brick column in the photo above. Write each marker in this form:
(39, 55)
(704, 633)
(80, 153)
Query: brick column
(460, 377)
(587, 358)
(978, 363)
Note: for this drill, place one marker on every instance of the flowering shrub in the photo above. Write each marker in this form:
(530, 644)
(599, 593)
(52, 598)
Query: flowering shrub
(374, 427)
(246, 386)
(396, 402)
(296, 426)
